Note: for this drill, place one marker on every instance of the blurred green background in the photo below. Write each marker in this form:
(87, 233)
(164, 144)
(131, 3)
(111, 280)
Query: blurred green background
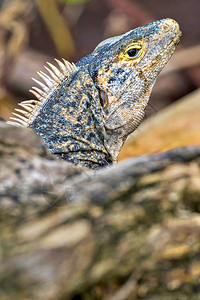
(35, 31)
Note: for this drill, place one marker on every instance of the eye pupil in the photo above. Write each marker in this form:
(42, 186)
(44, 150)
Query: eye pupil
(132, 52)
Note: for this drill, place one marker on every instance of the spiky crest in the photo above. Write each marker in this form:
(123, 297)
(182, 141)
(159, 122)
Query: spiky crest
(32, 107)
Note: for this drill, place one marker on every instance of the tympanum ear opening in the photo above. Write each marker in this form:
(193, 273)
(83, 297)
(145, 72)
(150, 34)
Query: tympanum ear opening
(103, 98)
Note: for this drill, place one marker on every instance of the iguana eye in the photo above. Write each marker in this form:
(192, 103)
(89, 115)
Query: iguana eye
(133, 52)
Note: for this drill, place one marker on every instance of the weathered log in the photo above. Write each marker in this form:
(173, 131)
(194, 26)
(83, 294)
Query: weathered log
(131, 231)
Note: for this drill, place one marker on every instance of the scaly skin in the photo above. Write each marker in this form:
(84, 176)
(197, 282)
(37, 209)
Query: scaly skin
(87, 117)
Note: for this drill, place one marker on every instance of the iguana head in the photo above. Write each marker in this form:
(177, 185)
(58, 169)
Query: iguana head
(124, 69)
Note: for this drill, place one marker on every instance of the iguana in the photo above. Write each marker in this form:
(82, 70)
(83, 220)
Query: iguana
(85, 111)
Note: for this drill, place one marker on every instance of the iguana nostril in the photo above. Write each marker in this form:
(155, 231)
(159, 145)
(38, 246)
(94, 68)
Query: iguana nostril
(169, 24)
(166, 27)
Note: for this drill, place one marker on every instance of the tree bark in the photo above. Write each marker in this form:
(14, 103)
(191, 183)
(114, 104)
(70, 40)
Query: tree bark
(130, 231)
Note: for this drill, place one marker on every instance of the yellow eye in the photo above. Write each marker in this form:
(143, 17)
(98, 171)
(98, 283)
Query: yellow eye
(133, 52)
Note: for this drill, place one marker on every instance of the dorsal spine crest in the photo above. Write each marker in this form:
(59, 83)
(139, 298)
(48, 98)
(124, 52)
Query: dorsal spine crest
(51, 82)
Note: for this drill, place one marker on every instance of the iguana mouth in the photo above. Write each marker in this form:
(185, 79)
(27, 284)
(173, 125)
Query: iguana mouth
(176, 39)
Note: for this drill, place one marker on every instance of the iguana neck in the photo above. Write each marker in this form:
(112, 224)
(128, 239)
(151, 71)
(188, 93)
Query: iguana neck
(74, 129)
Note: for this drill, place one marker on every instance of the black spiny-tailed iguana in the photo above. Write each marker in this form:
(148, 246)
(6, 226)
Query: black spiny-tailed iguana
(85, 111)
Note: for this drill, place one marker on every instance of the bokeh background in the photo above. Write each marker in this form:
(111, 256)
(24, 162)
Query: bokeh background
(35, 31)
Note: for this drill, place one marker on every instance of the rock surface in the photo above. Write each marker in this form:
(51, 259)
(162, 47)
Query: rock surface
(130, 231)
